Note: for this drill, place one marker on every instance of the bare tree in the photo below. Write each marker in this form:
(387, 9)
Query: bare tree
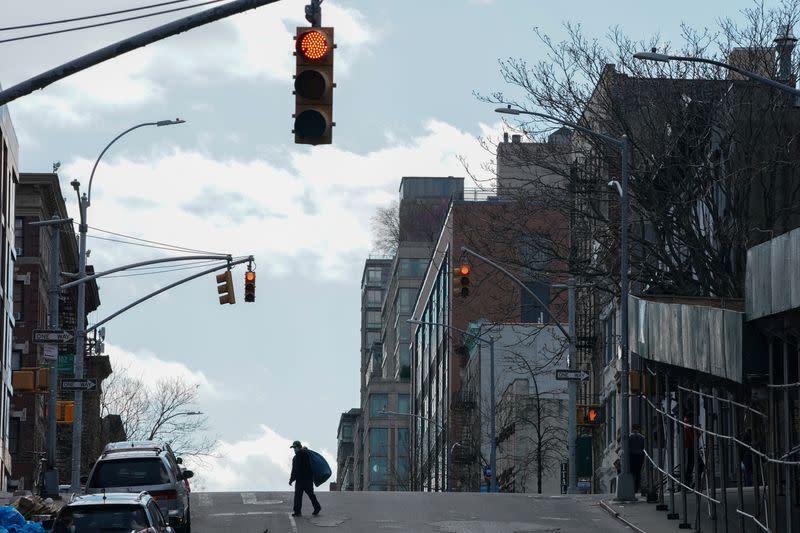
(164, 411)
(386, 229)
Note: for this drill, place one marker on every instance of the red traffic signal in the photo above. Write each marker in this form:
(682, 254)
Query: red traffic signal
(249, 286)
(313, 86)
(462, 279)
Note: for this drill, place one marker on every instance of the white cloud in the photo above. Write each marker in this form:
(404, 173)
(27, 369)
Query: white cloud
(318, 207)
(260, 463)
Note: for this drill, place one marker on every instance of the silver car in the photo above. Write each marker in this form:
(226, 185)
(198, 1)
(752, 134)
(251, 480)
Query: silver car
(111, 512)
(134, 467)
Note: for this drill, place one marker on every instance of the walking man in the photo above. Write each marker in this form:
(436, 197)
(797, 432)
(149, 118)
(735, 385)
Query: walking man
(636, 447)
(301, 473)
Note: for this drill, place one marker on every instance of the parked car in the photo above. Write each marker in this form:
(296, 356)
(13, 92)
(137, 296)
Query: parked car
(137, 466)
(109, 511)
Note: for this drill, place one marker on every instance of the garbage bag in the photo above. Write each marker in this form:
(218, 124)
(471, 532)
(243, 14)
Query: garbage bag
(10, 517)
(319, 468)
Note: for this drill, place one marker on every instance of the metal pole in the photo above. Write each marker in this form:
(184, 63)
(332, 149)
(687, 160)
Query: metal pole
(493, 414)
(625, 488)
(722, 445)
(572, 388)
(737, 460)
(787, 437)
(672, 513)
(696, 451)
(772, 446)
(80, 344)
(683, 472)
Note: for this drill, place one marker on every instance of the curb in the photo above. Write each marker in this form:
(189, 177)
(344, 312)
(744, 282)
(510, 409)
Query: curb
(610, 510)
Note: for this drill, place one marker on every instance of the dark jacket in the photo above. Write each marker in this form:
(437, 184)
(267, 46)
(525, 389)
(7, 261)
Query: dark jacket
(301, 467)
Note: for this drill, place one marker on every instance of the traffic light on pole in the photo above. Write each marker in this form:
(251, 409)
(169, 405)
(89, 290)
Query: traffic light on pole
(313, 86)
(593, 415)
(225, 288)
(249, 286)
(462, 279)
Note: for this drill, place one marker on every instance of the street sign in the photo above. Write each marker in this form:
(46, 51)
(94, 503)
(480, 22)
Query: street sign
(66, 364)
(79, 384)
(51, 335)
(564, 374)
(50, 351)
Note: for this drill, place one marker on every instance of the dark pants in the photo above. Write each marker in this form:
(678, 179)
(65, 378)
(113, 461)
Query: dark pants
(307, 486)
(637, 460)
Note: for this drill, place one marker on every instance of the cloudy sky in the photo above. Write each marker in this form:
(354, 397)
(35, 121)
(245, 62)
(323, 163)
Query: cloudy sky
(231, 180)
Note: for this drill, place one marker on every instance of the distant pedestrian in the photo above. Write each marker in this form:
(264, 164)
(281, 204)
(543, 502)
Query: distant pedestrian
(636, 447)
(304, 478)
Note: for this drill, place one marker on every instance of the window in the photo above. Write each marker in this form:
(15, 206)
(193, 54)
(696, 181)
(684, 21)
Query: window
(18, 302)
(610, 332)
(377, 403)
(412, 268)
(19, 235)
(372, 338)
(16, 360)
(405, 299)
(129, 473)
(378, 454)
(532, 311)
(155, 512)
(373, 319)
(13, 435)
(347, 433)
(124, 517)
(374, 297)
(403, 403)
(403, 453)
(374, 275)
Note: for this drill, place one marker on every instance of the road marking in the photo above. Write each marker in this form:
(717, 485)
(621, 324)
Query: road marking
(294, 524)
(249, 498)
(249, 513)
(205, 499)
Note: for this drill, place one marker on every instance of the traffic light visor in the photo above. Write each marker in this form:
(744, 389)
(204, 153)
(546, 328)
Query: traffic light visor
(313, 45)
(464, 270)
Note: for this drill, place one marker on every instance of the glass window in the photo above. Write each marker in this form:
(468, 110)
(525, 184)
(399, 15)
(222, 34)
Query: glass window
(108, 517)
(405, 299)
(376, 487)
(532, 311)
(18, 303)
(373, 318)
(377, 403)
(374, 297)
(16, 360)
(378, 454)
(374, 275)
(129, 473)
(403, 403)
(372, 338)
(347, 433)
(155, 512)
(19, 235)
(13, 435)
(412, 267)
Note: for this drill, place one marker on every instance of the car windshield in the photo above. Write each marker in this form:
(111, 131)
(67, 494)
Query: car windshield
(99, 518)
(129, 473)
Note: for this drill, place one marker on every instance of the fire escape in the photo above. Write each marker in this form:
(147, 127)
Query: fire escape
(466, 440)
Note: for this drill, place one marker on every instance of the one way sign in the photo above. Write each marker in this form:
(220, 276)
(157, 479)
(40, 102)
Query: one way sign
(79, 384)
(563, 374)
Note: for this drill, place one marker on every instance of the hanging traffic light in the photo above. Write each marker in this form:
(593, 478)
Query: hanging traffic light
(462, 279)
(249, 286)
(225, 288)
(593, 415)
(313, 86)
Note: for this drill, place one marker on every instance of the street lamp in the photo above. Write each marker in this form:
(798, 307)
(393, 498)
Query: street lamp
(625, 484)
(666, 58)
(492, 414)
(84, 201)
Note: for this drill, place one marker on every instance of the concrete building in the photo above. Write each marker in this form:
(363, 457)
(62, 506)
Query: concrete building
(345, 439)
(9, 176)
(39, 197)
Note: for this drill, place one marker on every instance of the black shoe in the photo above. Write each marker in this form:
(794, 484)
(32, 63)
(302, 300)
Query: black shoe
(316, 511)
(296, 514)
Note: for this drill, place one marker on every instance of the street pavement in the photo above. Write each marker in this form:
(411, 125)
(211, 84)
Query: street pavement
(368, 512)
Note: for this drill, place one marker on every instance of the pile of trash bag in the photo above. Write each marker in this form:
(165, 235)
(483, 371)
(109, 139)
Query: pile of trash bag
(13, 522)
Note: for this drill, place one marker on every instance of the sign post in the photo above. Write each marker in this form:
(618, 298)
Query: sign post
(51, 335)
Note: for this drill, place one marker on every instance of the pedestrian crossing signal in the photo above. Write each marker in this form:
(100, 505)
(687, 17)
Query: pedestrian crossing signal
(593, 415)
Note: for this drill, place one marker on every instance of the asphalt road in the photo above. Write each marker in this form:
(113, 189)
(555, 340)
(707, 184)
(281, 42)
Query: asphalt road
(370, 512)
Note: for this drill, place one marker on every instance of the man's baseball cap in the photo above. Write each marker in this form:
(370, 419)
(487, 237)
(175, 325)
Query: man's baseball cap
(296, 444)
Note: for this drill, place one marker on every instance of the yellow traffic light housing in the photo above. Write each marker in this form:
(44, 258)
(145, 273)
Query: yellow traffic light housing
(462, 281)
(249, 286)
(65, 412)
(225, 288)
(313, 86)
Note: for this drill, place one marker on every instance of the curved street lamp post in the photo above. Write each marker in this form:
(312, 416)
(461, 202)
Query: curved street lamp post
(625, 484)
(84, 201)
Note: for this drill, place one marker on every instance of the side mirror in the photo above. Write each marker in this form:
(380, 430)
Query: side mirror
(179, 460)
(188, 474)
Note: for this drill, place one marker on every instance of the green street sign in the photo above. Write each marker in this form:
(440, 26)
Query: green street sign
(66, 364)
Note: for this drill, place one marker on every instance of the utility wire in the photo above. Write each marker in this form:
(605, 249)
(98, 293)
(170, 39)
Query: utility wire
(88, 17)
(175, 246)
(143, 245)
(99, 24)
(161, 271)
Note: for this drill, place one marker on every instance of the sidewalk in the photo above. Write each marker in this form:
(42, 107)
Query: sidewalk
(644, 517)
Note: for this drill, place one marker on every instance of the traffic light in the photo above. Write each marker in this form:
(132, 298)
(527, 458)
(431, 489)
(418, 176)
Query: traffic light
(225, 288)
(313, 86)
(65, 412)
(462, 279)
(249, 286)
(593, 415)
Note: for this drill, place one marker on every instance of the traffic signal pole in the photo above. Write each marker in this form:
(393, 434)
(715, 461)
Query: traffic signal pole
(140, 40)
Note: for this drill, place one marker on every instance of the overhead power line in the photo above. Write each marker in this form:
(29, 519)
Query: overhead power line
(89, 17)
(99, 24)
(148, 243)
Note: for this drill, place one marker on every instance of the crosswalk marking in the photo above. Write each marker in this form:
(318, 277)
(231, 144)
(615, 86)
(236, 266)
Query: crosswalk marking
(249, 498)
